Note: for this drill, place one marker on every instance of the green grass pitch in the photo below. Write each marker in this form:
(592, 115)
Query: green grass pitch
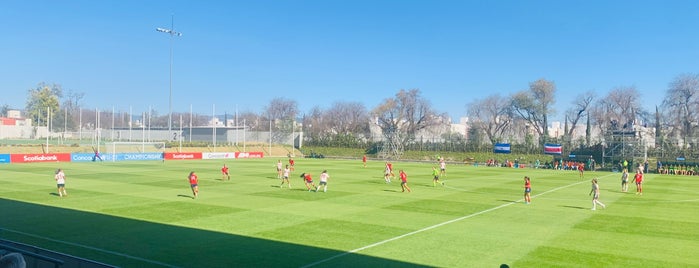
(142, 214)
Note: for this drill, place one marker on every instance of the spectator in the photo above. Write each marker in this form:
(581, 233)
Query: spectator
(12, 260)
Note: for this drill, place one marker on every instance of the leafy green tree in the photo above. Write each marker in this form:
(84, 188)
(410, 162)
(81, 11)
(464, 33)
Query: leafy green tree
(41, 99)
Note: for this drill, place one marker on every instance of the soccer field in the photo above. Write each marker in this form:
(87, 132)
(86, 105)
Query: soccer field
(142, 214)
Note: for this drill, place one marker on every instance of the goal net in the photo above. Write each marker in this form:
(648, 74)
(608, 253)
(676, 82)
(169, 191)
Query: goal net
(134, 147)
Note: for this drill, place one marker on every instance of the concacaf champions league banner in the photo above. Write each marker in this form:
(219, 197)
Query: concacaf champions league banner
(554, 149)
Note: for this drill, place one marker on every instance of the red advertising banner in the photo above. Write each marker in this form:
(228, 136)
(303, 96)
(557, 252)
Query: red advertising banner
(182, 156)
(249, 155)
(34, 158)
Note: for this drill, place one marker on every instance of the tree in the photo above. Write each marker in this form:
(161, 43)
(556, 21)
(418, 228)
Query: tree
(282, 115)
(281, 109)
(42, 99)
(344, 124)
(619, 109)
(492, 116)
(400, 118)
(580, 107)
(681, 105)
(3, 109)
(349, 118)
(534, 105)
(253, 121)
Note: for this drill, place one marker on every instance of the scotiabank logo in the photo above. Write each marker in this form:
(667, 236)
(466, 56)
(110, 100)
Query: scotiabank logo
(39, 158)
(29, 158)
(182, 156)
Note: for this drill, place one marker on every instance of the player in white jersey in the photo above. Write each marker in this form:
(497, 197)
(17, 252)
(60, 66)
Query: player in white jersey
(323, 181)
(60, 178)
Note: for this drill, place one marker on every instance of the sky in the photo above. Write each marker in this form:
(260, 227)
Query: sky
(239, 55)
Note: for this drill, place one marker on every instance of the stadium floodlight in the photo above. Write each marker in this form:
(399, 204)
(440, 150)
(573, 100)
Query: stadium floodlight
(172, 33)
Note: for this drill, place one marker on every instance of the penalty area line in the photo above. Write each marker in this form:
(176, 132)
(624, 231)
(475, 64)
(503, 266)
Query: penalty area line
(435, 226)
(90, 248)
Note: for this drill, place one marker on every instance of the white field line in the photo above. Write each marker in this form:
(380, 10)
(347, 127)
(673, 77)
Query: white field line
(91, 248)
(438, 225)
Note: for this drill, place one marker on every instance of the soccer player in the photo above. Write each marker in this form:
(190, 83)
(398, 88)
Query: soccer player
(323, 181)
(291, 163)
(388, 173)
(595, 198)
(60, 178)
(624, 181)
(527, 190)
(97, 155)
(435, 177)
(442, 167)
(581, 169)
(308, 180)
(639, 183)
(224, 173)
(279, 169)
(403, 181)
(194, 183)
(285, 177)
(364, 160)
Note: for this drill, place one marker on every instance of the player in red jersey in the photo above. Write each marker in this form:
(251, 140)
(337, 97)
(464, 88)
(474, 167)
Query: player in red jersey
(639, 183)
(527, 190)
(364, 160)
(194, 183)
(581, 169)
(224, 173)
(291, 163)
(404, 181)
(308, 180)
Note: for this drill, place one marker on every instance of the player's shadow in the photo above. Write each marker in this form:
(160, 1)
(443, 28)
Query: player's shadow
(391, 190)
(575, 207)
(184, 195)
(54, 194)
(507, 201)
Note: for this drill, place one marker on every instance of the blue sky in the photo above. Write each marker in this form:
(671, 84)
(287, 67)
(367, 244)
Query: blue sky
(244, 53)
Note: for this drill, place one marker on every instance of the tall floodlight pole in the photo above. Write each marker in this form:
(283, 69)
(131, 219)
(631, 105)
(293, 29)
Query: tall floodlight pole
(172, 34)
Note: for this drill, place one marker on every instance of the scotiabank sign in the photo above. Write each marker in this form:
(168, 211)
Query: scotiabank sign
(182, 156)
(33, 158)
(249, 154)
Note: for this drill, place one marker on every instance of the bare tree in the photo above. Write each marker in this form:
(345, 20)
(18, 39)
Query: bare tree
(401, 117)
(620, 108)
(349, 118)
(579, 110)
(344, 122)
(253, 121)
(492, 116)
(314, 125)
(535, 105)
(282, 109)
(681, 105)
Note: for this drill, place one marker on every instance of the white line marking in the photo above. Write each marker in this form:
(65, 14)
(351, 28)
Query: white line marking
(437, 225)
(89, 247)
